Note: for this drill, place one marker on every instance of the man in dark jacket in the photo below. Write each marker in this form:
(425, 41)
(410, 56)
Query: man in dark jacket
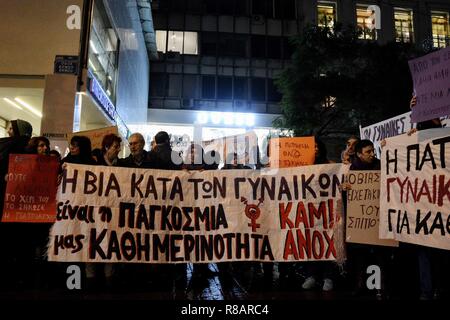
(365, 157)
(162, 156)
(138, 157)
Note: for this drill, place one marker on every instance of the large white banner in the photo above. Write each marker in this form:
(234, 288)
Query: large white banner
(110, 214)
(390, 128)
(385, 129)
(415, 188)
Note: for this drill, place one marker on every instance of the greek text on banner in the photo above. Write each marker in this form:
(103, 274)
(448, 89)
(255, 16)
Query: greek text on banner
(110, 214)
(415, 189)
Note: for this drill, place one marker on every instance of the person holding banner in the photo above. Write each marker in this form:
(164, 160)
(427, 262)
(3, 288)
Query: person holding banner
(19, 132)
(80, 151)
(37, 233)
(138, 157)
(361, 255)
(162, 156)
(321, 269)
(365, 157)
(194, 161)
(432, 261)
(107, 156)
(39, 145)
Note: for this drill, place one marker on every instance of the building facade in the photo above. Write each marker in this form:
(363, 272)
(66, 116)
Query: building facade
(68, 66)
(217, 59)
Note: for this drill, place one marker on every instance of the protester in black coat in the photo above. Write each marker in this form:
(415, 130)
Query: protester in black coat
(162, 156)
(80, 151)
(12, 272)
(138, 157)
(365, 157)
(19, 132)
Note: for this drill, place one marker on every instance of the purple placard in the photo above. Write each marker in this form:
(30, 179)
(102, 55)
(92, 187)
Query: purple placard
(431, 77)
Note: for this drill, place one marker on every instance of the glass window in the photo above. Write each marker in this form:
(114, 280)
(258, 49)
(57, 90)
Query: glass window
(289, 9)
(233, 44)
(226, 7)
(211, 6)
(190, 86)
(440, 29)
(326, 14)
(161, 40)
(241, 8)
(258, 46)
(404, 31)
(273, 94)
(240, 45)
(365, 23)
(177, 5)
(194, 6)
(240, 88)
(177, 41)
(224, 85)
(174, 85)
(103, 51)
(208, 87)
(274, 47)
(259, 7)
(158, 84)
(259, 89)
(288, 48)
(190, 43)
(226, 44)
(277, 9)
(209, 43)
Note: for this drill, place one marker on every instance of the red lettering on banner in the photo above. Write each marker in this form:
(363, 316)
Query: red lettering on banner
(284, 215)
(318, 246)
(420, 190)
(290, 247)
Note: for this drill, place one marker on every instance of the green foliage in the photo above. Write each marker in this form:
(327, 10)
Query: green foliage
(368, 82)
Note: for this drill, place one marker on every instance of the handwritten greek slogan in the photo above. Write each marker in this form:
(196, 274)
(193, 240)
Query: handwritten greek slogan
(415, 189)
(363, 207)
(385, 129)
(30, 188)
(291, 152)
(431, 77)
(109, 214)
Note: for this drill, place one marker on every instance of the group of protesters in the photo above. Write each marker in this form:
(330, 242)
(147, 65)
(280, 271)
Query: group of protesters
(20, 254)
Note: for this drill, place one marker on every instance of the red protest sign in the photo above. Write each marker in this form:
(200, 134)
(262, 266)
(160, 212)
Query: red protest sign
(31, 189)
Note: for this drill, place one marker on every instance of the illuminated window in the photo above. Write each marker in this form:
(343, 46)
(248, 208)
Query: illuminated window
(365, 23)
(177, 41)
(440, 29)
(404, 30)
(103, 51)
(326, 14)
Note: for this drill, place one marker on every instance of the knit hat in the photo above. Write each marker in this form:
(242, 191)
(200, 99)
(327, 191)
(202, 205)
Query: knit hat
(21, 128)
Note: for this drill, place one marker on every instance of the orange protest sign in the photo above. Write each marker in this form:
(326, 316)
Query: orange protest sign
(292, 152)
(31, 189)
